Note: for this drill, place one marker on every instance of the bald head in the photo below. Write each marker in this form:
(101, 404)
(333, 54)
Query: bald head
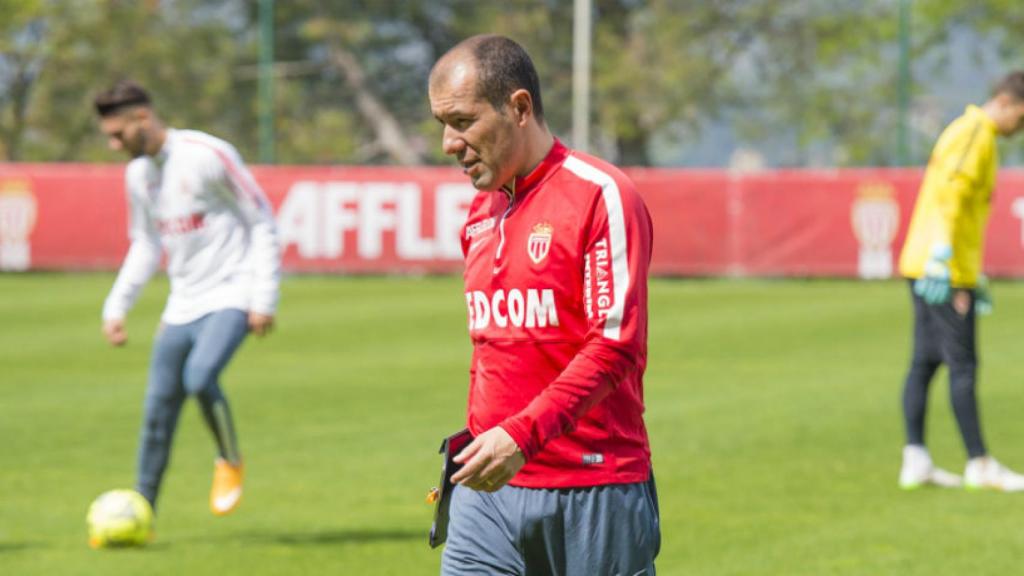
(498, 67)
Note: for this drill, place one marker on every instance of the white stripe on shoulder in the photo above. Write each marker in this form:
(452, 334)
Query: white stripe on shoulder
(228, 157)
(617, 237)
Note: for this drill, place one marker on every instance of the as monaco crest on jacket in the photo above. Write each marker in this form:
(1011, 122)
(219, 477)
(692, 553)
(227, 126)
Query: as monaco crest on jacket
(539, 242)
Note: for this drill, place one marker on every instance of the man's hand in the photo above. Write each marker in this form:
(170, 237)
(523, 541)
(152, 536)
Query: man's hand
(113, 330)
(489, 462)
(983, 303)
(260, 324)
(934, 287)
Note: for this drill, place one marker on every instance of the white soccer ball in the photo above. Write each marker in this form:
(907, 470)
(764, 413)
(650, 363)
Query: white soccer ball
(119, 518)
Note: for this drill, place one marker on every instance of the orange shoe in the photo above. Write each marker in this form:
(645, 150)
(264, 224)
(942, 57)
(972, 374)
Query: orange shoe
(226, 493)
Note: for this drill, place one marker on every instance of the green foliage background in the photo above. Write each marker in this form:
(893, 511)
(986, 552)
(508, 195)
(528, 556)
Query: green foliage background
(816, 78)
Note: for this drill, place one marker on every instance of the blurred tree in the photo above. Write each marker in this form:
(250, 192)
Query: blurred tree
(989, 33)
(178, 50)
(20, 64)
(819, 86)
(806, 82)
(364, 65)
(664, 67)
(820, 82)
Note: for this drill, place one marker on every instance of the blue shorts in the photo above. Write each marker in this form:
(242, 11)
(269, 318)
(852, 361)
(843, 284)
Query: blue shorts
(597, 531)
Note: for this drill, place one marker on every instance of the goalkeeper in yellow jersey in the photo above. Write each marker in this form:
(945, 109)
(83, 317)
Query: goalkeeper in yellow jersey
(942, 260)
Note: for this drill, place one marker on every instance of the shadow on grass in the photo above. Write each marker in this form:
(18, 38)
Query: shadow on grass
(6, 547)
(327, 537)
(340, 536)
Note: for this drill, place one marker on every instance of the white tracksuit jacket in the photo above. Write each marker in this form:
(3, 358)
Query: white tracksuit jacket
(197, 201)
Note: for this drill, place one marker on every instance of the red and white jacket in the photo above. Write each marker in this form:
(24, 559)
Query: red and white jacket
(197, 202)
(556, 289)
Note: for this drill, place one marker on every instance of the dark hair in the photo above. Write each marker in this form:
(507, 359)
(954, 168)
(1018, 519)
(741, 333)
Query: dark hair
(503, 66)
(119, 96)
(1012, 84)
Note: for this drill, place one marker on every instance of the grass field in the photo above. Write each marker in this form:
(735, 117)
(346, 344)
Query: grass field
(772, 407)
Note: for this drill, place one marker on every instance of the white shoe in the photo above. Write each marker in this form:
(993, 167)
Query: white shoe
(918, 470)
(987, 472)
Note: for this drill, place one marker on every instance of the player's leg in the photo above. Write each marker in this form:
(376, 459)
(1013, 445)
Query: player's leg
(546, 531)
(613, 529)
(924, 362)
(218, 336)
(917, 468)
(164, 397)
(483, 533)
(957, 331)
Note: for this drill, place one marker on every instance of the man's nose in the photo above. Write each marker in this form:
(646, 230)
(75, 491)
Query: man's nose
(451, 142)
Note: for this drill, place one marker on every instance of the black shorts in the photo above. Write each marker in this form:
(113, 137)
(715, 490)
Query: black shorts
(943, 334)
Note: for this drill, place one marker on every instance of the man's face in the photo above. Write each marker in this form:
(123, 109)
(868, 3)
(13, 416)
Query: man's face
(1013, 117)
(127, 131)
(485, 141)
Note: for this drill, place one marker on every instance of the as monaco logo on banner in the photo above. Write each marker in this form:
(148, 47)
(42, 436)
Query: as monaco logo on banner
(539, 242)
(875, 217)
(17, 220)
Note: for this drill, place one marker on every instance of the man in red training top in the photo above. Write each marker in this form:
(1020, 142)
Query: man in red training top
(557, 246)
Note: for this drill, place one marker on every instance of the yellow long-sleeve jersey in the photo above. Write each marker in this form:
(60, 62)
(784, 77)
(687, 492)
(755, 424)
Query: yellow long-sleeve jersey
(953, 204)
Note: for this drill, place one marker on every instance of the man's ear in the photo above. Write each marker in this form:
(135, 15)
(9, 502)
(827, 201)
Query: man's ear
(142, 113)
(522, 105)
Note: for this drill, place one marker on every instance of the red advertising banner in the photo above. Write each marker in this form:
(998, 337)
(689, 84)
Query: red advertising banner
(847, 223)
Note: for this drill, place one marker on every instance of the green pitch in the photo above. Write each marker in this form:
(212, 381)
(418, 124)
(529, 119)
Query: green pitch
(773, 409)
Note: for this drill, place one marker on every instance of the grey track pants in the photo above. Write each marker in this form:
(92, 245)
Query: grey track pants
(187, 361)
(597, 531)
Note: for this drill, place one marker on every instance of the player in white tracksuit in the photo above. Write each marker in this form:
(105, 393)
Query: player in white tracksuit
(189, 196)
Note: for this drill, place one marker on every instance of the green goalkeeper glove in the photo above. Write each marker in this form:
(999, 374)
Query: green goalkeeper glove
(934, 287)
(983, 303)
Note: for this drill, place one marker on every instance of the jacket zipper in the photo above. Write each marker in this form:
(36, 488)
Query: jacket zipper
(501, 224)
